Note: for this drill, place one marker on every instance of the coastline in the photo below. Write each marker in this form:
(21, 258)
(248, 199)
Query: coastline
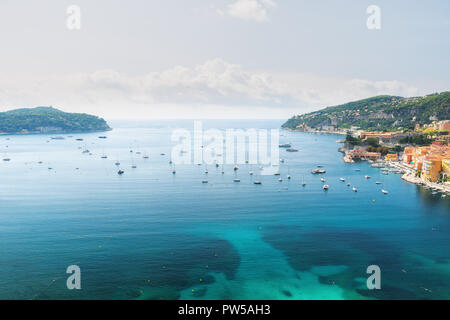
(3, 134)
(317, 131)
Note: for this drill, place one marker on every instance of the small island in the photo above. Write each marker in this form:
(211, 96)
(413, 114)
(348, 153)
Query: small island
(49, 120)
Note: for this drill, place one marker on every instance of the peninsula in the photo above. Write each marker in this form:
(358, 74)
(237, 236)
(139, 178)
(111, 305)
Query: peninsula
(49, 120)
(396, 134)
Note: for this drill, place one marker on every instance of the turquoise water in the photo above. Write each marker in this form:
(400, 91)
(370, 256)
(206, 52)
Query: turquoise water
(151, 235)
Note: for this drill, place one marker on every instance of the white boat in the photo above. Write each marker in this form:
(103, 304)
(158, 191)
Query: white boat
(276, 174)
(354, 189)
(378, 182)
(280, 180)
(257, 182)
(367, 177)
(384, 191)
(289, 177)
(322, 179)
(342, 179)
(236, 168)
(348, 184)
(326, 187)
(251, 173)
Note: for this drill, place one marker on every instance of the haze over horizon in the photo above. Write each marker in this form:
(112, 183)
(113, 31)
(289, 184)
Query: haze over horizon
(218, 59)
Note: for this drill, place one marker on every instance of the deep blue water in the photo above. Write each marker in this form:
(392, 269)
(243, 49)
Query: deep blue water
(152, 235)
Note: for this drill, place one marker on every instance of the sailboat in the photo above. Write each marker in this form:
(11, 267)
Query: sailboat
(174, 171)
(303, 182)
(288, 175)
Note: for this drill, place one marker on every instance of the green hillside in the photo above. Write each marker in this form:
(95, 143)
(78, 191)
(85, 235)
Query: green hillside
(385, 113)
(48, 119)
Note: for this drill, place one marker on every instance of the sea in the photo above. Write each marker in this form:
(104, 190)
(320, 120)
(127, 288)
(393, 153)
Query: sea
(152, 234)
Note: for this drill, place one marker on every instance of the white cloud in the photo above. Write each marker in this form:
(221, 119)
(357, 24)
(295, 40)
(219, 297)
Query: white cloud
(216, 87)
(249, 10)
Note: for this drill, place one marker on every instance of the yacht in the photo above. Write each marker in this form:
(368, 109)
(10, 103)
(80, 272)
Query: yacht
(318, 171)
(378, 182)
(257, 182)
(342, 179)
(276, 174)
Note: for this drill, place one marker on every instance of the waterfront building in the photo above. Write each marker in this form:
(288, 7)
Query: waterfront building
(431, 167)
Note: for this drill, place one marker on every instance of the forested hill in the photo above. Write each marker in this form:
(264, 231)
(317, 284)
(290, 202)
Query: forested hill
(377, 113)
(48, 119)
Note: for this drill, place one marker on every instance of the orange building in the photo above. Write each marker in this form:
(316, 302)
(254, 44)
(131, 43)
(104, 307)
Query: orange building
(431, 167)
(408, 155)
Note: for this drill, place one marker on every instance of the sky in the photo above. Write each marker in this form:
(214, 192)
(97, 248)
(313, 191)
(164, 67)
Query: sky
(231, 59)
